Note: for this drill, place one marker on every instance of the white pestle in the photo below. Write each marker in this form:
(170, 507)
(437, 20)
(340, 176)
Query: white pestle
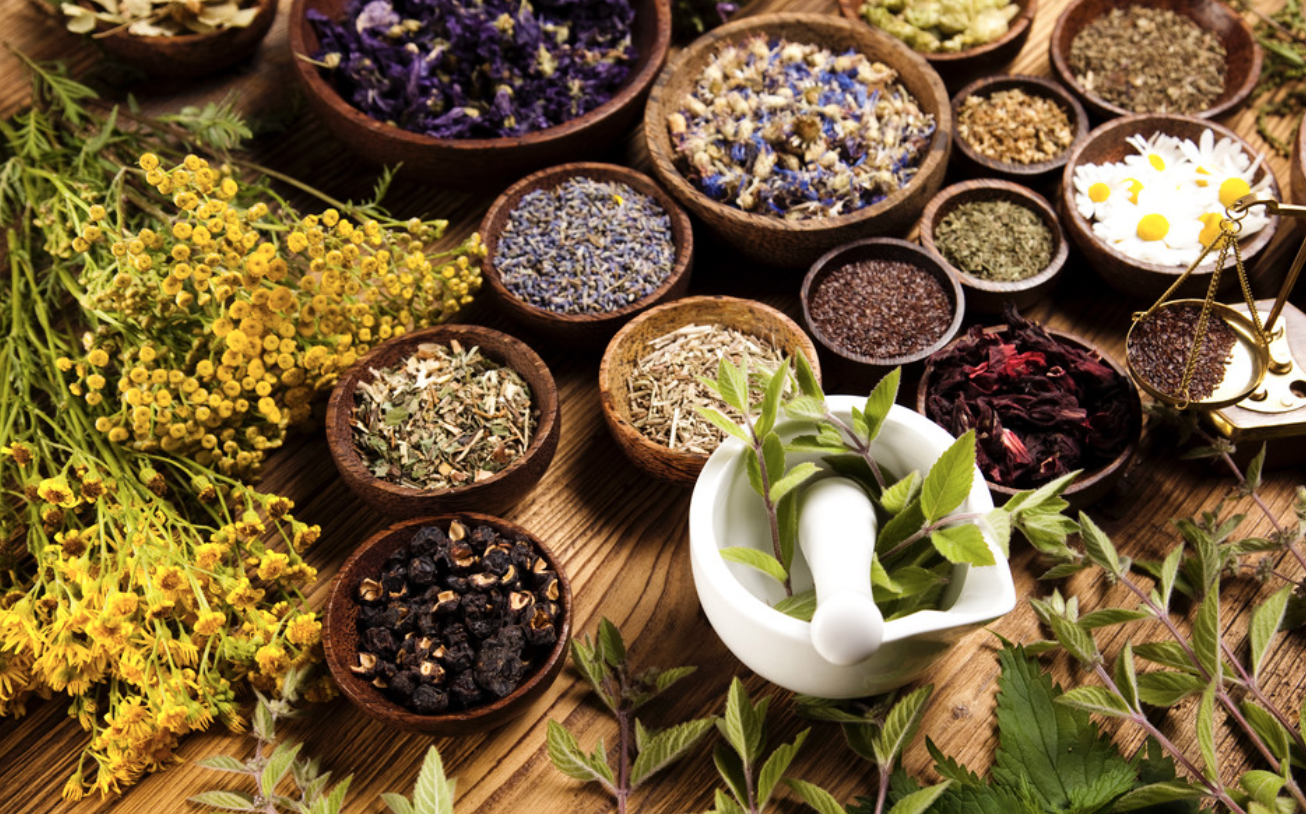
(836, 530)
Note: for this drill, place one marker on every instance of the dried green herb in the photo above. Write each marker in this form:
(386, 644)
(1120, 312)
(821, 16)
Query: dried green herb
(996, 240)
(161, 18)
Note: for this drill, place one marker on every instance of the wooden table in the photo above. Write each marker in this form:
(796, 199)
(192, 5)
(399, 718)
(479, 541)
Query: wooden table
(621, 535)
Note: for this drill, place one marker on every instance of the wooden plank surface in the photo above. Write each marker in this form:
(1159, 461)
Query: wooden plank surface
(622, 536)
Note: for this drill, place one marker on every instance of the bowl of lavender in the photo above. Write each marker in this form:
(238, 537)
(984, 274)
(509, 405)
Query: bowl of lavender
(790, 134)
(574, 251)
(406, 80)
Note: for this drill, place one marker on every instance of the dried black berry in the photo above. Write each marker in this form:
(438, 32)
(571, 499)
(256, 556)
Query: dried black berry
(429, 700)
(453, 582)
(483, 536)
(427, 624)
(421, 571)
(457, 656)
(463, 690)
(401, 687)
(381, 641)
(497, 559)
(462, 558)
(427, 541)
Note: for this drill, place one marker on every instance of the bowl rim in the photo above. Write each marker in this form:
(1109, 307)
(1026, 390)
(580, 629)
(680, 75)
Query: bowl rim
(300, 35)
(1018, 27)
(365, 697)
(1046, 88)
(104, 30)
(681, 232)
(340, 438)
(658, 143)
(1028, 197)
(949, 333)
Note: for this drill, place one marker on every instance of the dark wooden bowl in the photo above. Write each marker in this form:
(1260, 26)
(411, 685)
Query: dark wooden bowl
(585, 330)
(1094, 484)
(959, 68)
(970, 162)
(189, 55)
(497, 492)
(1107, 144)
(631, 344)
(1297, 168)
(1243, 54)
(471, 163)
(340, 634)
(853, 369)
(989, 296)
(774, 240)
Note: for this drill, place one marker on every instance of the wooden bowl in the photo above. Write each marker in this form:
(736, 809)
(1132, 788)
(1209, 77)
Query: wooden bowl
(585, 330)
(340, 634)
(972, 163)
(1094, 484)
(1297, 168)
(495, 493)
(1107, 144)
(774, 240)
(189, 55)
(1242, 62)
(471, 163)
(957, 69)
(860, 371)
(989, 296)
(631, 344)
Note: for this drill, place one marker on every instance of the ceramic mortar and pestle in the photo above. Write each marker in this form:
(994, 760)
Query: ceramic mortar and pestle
(848, 650)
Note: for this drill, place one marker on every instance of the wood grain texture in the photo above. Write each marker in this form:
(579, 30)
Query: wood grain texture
(621, 533)
(191, 55)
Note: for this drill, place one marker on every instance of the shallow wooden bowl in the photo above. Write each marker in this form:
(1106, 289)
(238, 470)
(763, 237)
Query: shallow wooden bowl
(497, 492)
(989, 296)
(340, 634)
(774, 240)
(190, 55)
(971, 162)
(959, 68)
(585, 330)
(1094, 484)
(631, 344)
(1107, 144)
(1297, 168)
(470, 163)
(864, 371)
(1243, 60)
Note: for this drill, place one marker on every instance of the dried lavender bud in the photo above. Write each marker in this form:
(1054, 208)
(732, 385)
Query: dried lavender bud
(429, 700)
(463, 690)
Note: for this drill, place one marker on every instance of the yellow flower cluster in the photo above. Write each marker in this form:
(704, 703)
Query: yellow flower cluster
(240, 316)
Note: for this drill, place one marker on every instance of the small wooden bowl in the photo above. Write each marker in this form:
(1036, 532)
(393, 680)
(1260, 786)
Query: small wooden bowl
(189, 55)
(1092, 485)
(989, 296)
(864, 371)
(957, 69)
(631, 344)
(774, 240)
(472, 163)
(497, 492)
(1107, 144)
(1242, 61)
(1297, 169)
(340, 634)
(972, 163)
(585, 330)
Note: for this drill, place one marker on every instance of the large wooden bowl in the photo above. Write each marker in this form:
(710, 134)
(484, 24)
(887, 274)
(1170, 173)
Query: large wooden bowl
(957, 69)
(340, 634)
(189, 55)
(1242, 62)
(631, 344)
(992, 296)
(1297, 169)
(470, 163)
(495, 493)
(585, 330)
(774, 240)
(1107, 144)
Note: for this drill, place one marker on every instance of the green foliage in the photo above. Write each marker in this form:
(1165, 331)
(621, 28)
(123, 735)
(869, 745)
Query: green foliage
(432, 793)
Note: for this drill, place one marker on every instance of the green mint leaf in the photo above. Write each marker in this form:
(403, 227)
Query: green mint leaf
(642, 736)
(861, 737)
(567, 757)
(879, 402)
(786, 517)
(912, 579)
(665, 748)
(225, 800)
(815, 796)
(900, 527)
(1107, 617)
(433, 792)
(919, 802)
(1169, 571)
(775, 767)
(590, 665)
(223, 763)
(1151, 797)
(1046, 531)
(949, 479)
(1265, 623)
(770, 410)
(334, 802)
(1045, 498)
(860, 428)
(808, 383)
(725, 805)
(611, 645)
(901, 724)
(720, 421)
(1126, 675)
(1206, 733)
(733, 384)
(813, 444)
(1095, 699)
(1163, 688)
(773, 455)
(264, 725)
(666, 678)
(766, 563)
(792, 479)
(731, 768)
(964, 543)
(278, 765)
(1263, 786)
(998, 524)
(397, 802)
(735, 725)
(899, 495)
(1268, 729)
(1206, 634)
(1098, 546)
(754, 468)
(887, 586)
(800, 606)
(806, 408)
(1166, 654)
(1077, 641)
(1252, 477)
(1063, 570)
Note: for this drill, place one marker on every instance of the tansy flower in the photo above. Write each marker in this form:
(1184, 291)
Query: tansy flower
(272, 565)
(304, 630)
(272, 659)
(56, 492)
(210, 622)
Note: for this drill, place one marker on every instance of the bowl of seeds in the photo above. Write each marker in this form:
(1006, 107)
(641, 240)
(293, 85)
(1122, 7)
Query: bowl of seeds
(649, 378)
(789, 134)
(448, 625)
(1121, 57)
(447, 418)
(1002, 241)
(469, 92)
(574, 251)
(1019, 128)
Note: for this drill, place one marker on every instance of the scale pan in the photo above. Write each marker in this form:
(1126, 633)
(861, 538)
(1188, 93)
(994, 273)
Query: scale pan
(1244, 370)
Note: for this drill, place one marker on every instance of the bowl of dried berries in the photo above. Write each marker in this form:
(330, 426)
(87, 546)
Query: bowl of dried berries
(464, 92)
(1120, 57)
(1002, 241)
(448, 625)
(649, 382)
(574, 251)
(852, 139)
(448, 418)
(1018, 128)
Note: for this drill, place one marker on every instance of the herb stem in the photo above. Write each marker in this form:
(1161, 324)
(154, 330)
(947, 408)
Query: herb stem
(882, 792)
(772, 512)
(863, 449)
(956, 519)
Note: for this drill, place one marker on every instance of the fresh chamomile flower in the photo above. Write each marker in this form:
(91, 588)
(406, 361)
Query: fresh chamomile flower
(1159, 153)
(1162, 228)
(1098, 188)
(1210, 158)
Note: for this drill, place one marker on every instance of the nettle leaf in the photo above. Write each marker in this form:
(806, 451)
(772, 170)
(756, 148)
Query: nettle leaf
(771, 400)
(334, 802)
(1098, 546)
(766, 563)
(1268, 729)
(225, 800)
(948, 768)
(613, 646)
(264, 725)
(569, 759)
(808, 384)
(800, 606)
(1095, 699)
(732, 384)
(792, 479)
(815, 796)
(964, 543)
(901, 724)
(720, 421)
(1075, 639)
(1206, 732)
(879, 402)
(899, 495)
(806, 408)
(950, 479)
(278, 765)
(590, 665)
(775, 767)
(918, 802)
(1163, 688)
(642, 735)
(1126, 676)
(1206, 634)
(1265, 623)
(1155, 795)
(667, 747)
(1111, 616)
